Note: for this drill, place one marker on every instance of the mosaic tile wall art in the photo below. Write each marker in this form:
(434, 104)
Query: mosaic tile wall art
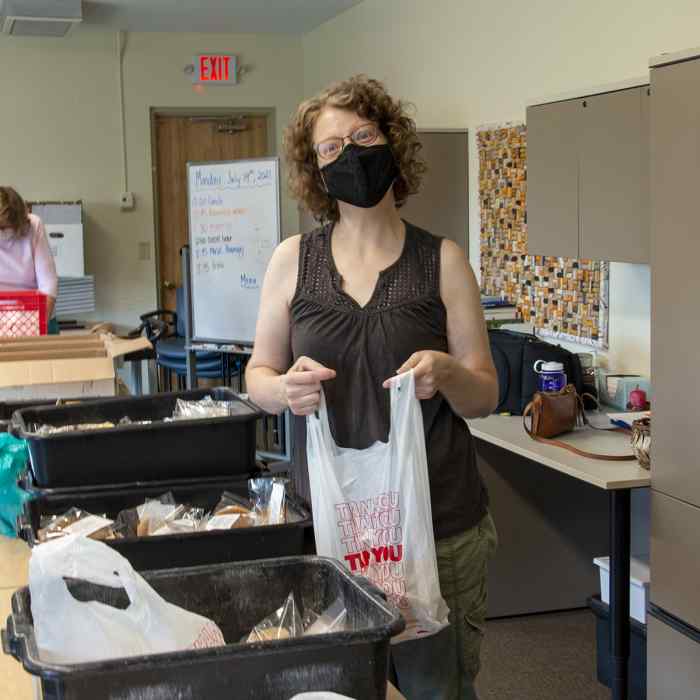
(563, 298)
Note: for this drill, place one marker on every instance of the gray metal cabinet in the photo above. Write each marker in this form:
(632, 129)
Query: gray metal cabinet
(645, 203)
(588, 177)
(673, 663)
(613, 170)
(552, 179)
(675, 557)
(672, 635)
(675, 252)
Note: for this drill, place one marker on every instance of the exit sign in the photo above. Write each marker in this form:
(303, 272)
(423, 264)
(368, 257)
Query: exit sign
(215, 69)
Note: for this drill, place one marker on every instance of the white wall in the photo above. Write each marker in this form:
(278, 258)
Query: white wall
(464, 64)
(59, 120)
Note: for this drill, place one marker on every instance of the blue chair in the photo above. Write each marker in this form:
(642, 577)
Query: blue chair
(166, 331)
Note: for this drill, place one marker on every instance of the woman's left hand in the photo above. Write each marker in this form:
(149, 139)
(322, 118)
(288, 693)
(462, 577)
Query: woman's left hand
(431, 370)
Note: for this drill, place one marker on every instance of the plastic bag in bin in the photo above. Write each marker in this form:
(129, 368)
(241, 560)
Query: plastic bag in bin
(76, 521)
(161, 516)
(182, 519)
(321, 695)
(208, 408)
(332, 619)
(232, 511)
(153, 513)
(287, 623)
(284, 623)
(97, 625)
(165, 517)
(269, 498)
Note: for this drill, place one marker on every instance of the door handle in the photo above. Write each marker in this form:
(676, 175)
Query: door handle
(169, 285)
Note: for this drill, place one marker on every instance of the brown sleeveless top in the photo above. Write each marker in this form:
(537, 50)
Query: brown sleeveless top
(366, 345)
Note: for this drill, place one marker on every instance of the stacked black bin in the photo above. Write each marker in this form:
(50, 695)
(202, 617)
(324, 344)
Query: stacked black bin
(212, 447)
(228, 576)
(108, 470)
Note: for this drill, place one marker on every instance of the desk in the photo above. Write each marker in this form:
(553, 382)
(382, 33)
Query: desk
(616, 478)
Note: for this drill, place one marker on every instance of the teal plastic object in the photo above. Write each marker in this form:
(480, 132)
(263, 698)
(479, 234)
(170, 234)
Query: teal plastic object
(13, 463)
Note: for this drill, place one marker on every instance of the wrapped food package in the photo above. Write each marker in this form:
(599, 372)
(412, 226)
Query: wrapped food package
(287, 623)
(45, 430)
(232, 511)
(284, 623)
(76, 522)
(208, 408)
(269, 498)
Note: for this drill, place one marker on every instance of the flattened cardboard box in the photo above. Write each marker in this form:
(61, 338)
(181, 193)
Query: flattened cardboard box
(53, 367)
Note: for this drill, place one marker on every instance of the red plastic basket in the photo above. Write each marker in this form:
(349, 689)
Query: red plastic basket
(22, 314)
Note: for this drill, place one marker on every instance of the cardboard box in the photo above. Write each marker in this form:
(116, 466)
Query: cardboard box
(53, 367)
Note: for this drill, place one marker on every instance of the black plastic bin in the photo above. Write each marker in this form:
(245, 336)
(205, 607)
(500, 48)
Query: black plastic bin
(236, 597)
(181, 550)
(638, 650)
(155, 452)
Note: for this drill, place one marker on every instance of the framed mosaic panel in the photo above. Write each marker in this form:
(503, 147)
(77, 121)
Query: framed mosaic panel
(563, 298)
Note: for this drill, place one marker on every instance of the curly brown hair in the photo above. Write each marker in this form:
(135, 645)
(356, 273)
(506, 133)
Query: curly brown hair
(13, 212)
(370, 100)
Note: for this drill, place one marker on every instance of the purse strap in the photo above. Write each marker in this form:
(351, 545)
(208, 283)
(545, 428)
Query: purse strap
(582, 416)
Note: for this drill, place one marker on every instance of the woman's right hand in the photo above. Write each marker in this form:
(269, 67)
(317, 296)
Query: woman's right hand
(301, 385)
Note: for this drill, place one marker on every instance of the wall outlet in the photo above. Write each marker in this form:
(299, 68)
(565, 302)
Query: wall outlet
(126, 200)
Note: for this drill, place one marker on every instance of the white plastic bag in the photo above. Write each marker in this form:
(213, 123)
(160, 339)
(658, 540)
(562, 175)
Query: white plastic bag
(70, 631)
(321, 695)
(372, 511)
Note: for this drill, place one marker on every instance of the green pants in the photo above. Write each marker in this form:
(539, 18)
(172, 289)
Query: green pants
(444, 666)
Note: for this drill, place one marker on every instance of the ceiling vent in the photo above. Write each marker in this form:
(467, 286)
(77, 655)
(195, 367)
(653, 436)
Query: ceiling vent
(39, 17)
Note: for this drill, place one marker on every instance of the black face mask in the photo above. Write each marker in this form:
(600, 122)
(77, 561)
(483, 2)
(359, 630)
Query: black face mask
(361, 175)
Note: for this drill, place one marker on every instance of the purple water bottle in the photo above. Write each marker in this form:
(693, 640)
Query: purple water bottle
(550, 376)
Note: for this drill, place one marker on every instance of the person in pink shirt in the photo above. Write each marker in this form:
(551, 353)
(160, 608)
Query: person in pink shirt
(26, 262)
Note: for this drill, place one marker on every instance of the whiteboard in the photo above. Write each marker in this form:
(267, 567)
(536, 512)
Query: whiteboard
(234, 217)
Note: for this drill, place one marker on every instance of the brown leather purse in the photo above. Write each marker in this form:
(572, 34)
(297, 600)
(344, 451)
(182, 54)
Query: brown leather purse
(555, 413)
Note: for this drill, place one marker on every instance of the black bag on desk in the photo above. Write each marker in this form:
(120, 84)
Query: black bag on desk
(514, 355)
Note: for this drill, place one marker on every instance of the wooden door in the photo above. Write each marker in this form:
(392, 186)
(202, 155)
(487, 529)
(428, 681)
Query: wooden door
(552, 179)
(614, 167)
(180, 140)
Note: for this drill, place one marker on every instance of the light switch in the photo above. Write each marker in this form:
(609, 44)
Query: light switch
(144, 251)
(126, 201)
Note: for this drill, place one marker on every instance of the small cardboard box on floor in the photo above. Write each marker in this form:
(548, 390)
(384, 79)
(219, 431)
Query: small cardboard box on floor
(70, 366)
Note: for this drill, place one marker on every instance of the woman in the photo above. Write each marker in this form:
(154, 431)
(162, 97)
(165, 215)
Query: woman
(368, 295)
(26, 262)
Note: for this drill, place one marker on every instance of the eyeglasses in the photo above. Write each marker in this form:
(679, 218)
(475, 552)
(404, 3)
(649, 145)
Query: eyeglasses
(330, 149)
